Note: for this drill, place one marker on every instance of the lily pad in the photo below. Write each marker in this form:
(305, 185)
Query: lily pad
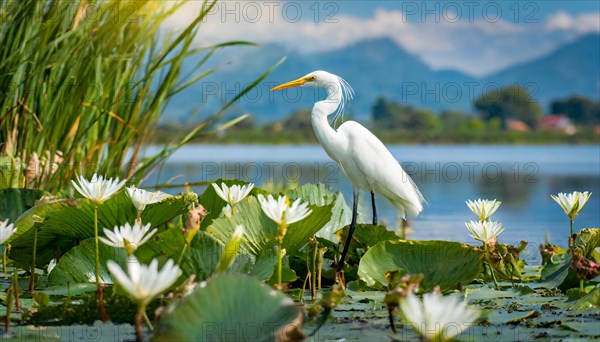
(230, 308)
(585, 328)
(66, 222)
(70, 290)
(369, 235)
(589, 239)
(589, 301)
(203, 255)
(557, 273)
(318, 194)
(365, 236)
(81, 332)
(512, 317)
(443, 263)
(261, 231)
(200, 259)
(486, 293)
(78, 265)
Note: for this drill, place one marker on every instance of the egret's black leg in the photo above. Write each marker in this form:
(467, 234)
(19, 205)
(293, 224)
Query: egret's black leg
(350, 232)
(374, 208)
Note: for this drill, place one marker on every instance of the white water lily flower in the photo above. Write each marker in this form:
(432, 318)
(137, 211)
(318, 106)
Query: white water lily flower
(98, 189)
(279, 211)
(438, 318)
(233, 194)
(6, 231)
(140, 197)
(485, 231)
(572, 203)
(143, 282)
(128, 237)
(483, 208)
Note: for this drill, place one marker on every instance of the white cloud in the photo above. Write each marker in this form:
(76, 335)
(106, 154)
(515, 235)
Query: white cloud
(473, 46)
(273, 26)
(581, 23)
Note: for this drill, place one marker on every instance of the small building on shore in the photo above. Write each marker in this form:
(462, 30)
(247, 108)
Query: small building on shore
(557, 123)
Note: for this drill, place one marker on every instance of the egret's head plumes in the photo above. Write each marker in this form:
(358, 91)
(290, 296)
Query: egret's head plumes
(337, 88)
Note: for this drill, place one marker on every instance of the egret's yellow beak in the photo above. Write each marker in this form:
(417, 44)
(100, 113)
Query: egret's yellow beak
(291, 84)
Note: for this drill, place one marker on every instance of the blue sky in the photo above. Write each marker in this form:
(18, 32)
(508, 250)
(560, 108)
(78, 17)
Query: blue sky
(475, 37)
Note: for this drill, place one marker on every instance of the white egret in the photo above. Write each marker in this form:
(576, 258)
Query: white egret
(360, 154)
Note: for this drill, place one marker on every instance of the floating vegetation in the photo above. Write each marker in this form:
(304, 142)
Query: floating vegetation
(228, 272)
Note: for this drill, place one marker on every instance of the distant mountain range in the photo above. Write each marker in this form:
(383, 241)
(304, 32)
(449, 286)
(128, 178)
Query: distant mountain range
(379, 67)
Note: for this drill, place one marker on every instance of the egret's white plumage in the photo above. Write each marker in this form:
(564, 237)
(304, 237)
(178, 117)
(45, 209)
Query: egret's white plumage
(360, 154)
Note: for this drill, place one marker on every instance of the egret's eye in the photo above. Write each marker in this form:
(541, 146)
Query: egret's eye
(312, 78)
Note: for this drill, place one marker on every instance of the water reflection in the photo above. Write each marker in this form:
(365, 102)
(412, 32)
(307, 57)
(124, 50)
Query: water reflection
(521, 177)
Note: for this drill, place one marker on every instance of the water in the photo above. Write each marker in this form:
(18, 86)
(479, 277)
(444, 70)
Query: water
(522, 177)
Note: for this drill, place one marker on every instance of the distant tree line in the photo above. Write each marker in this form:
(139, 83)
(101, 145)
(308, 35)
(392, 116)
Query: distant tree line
(513, 102)
(393, 115)
(494, 110)
(579, 109)
(395, 121)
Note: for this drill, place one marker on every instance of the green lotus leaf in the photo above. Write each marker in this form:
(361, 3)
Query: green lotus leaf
(231, 307)
(61, 224)
(443, 263)
(589, 301)
(202, 256)
(261, 231)
(589, 239)
(556, 272)
(318, 194)
(78, 265)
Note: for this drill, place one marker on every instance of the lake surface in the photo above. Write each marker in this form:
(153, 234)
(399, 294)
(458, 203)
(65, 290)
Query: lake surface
(522, 177)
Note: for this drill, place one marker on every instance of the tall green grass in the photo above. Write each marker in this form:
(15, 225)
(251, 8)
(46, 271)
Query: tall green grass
(83, 84)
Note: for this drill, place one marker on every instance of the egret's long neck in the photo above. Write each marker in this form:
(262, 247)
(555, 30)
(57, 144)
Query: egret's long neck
(327, 136)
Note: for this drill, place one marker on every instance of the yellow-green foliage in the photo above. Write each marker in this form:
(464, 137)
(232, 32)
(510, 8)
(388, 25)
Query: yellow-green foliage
(83, 84)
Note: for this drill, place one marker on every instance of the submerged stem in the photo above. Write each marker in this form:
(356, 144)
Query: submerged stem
(7, 320)
(320, 266)
(281, 230)
(570, 242)
(32, 279)
(314, 271)
(99, 290)
(101, 307)
(301, 297)
(487, 257)
(97, 248)
(139, 323)
(4, 259)
(279, 265)
(572, 227)
(16, 289)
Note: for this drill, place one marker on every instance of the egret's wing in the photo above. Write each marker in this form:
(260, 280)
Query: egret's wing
(372, 162)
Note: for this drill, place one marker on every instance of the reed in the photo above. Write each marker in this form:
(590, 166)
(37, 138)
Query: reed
(84, 83)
